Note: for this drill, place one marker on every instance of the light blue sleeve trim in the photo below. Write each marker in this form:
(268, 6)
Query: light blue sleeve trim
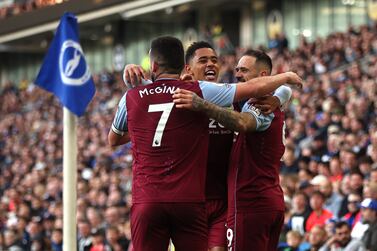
(263, 121)
(219, 94)
(283, 93)
(120, 119)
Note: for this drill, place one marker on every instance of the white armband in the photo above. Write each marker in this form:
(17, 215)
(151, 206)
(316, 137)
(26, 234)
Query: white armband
(115, 130)
(283, 93)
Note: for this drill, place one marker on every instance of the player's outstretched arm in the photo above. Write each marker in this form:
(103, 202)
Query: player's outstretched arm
(258, 87)
(240, 122)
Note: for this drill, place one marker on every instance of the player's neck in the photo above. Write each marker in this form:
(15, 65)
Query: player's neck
(166, 75)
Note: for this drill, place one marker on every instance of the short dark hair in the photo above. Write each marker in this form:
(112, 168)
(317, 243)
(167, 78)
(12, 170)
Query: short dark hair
(261, 57)
(300, 194)
(318, 193)
(168, 52)
(190, 52)
(58, 230)
(341, 224)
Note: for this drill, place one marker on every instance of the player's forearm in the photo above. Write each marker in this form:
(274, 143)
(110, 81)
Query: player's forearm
(230, 119)
(258, 87)
(115, 139)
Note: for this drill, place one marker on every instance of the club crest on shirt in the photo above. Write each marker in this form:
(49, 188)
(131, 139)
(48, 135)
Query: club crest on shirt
(254, 109)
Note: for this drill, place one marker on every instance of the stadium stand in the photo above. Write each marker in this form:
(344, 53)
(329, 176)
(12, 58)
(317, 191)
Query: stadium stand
(331, 136)
(16, 7)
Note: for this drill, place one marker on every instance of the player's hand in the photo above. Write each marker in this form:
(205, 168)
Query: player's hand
(133, 75)
(186, 99)
(266, 104)
(294, 79)
(187, 77)
(331, 241)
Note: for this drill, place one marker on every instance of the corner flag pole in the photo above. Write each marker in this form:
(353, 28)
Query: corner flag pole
(64, 73)
(69, 180)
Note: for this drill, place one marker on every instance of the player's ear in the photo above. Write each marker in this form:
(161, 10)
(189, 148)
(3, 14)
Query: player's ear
(154, 66)
(187, 69)
(263, 73)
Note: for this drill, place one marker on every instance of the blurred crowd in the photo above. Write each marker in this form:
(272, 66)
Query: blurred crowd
(328, 169)
(31, 171)
(16, 7)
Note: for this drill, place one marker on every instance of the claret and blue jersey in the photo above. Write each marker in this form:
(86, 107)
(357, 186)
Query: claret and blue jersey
(169, 145)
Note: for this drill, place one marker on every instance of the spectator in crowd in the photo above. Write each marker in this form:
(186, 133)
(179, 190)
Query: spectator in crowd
(369, 216)
(84, 237)
(319, 215)
(12, 241)
(300, 212)
(342, 240)
(294, 240)
(57, 240)
(330, 227)
(317, 238)
(114, 239)
(98, 241)
(353, 215)
(373, 175)
(228, 64)
(356, 180)
(333, 199)
(290, 164)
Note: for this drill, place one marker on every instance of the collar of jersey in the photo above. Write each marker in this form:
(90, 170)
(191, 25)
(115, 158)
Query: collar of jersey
(163, 79)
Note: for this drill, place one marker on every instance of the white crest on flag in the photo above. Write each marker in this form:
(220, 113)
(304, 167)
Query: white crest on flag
(67, 68)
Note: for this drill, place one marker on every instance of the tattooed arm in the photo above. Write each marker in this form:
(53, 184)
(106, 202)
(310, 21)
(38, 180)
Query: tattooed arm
(240, 122)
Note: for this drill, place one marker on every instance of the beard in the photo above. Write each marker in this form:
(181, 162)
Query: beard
(240, 79)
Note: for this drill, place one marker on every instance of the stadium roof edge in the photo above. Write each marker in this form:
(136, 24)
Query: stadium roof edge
(135, 6)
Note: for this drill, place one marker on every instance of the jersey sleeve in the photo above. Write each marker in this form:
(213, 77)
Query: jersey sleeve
(219, 94)
(283, 93)
(263, 121)
(119, 125)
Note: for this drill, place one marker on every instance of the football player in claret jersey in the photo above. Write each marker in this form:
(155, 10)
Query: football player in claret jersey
(169, 147)
(255, 198)
(202, 64)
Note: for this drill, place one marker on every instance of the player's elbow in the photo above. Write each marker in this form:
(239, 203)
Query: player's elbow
(112, 139)
(112, 143)
(241, 128)
(245, 128)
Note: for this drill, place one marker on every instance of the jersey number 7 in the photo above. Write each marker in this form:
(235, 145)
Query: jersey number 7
(165, 109)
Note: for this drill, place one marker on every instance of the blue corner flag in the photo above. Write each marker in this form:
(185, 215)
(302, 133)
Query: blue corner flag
(64, 71)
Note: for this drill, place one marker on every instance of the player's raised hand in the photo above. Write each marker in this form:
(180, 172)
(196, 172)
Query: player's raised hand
(294, 79)
(187, 77)
(186, 99)
(266, 104)
(133, 75)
